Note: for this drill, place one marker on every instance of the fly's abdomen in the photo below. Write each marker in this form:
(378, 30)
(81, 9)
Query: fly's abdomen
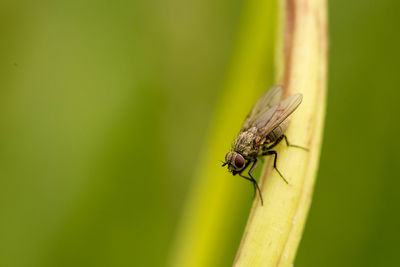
(278, 131)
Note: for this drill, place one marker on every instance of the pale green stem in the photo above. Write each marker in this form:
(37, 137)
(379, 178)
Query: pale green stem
(274, 230)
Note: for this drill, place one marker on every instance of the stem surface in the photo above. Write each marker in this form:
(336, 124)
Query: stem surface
(274, 230)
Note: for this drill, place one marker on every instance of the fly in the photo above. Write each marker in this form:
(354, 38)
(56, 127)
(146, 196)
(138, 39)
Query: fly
(262, 130)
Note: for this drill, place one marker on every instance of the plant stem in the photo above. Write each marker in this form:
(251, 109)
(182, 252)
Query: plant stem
(274, 230)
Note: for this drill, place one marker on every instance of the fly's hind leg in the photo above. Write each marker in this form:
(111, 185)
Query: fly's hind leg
(273, 152)
(274, 144)
(289, 144)
(283, 136)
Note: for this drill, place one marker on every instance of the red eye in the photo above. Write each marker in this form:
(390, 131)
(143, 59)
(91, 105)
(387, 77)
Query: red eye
(239, 161)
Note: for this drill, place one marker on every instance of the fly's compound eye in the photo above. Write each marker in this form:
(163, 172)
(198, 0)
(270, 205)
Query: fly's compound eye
(239, 161)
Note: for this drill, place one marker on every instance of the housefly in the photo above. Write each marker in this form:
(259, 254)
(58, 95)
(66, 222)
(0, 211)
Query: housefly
(262, 130)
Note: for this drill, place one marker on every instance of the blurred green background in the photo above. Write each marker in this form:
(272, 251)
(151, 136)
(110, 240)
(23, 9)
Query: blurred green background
(105, 107)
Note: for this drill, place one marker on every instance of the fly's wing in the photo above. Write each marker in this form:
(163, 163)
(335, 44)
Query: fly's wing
(266, 104)
(268, 122)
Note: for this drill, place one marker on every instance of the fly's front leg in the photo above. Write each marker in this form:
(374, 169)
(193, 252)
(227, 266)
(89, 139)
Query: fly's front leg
(273, 152)
(254, 180)
(255, 184)
(247, 178)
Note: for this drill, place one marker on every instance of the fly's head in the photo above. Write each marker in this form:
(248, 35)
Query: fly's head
(235, 162)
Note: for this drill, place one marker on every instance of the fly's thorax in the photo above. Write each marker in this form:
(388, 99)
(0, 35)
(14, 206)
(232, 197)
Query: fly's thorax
(235, 161)
(245, 141)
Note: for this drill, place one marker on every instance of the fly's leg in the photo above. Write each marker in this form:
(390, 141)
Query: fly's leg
(251, 179)
(277, 141)
(289, 144)
(247, 178)
(273, 152)
(267, 151)
(286, 141)
(254, 180)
